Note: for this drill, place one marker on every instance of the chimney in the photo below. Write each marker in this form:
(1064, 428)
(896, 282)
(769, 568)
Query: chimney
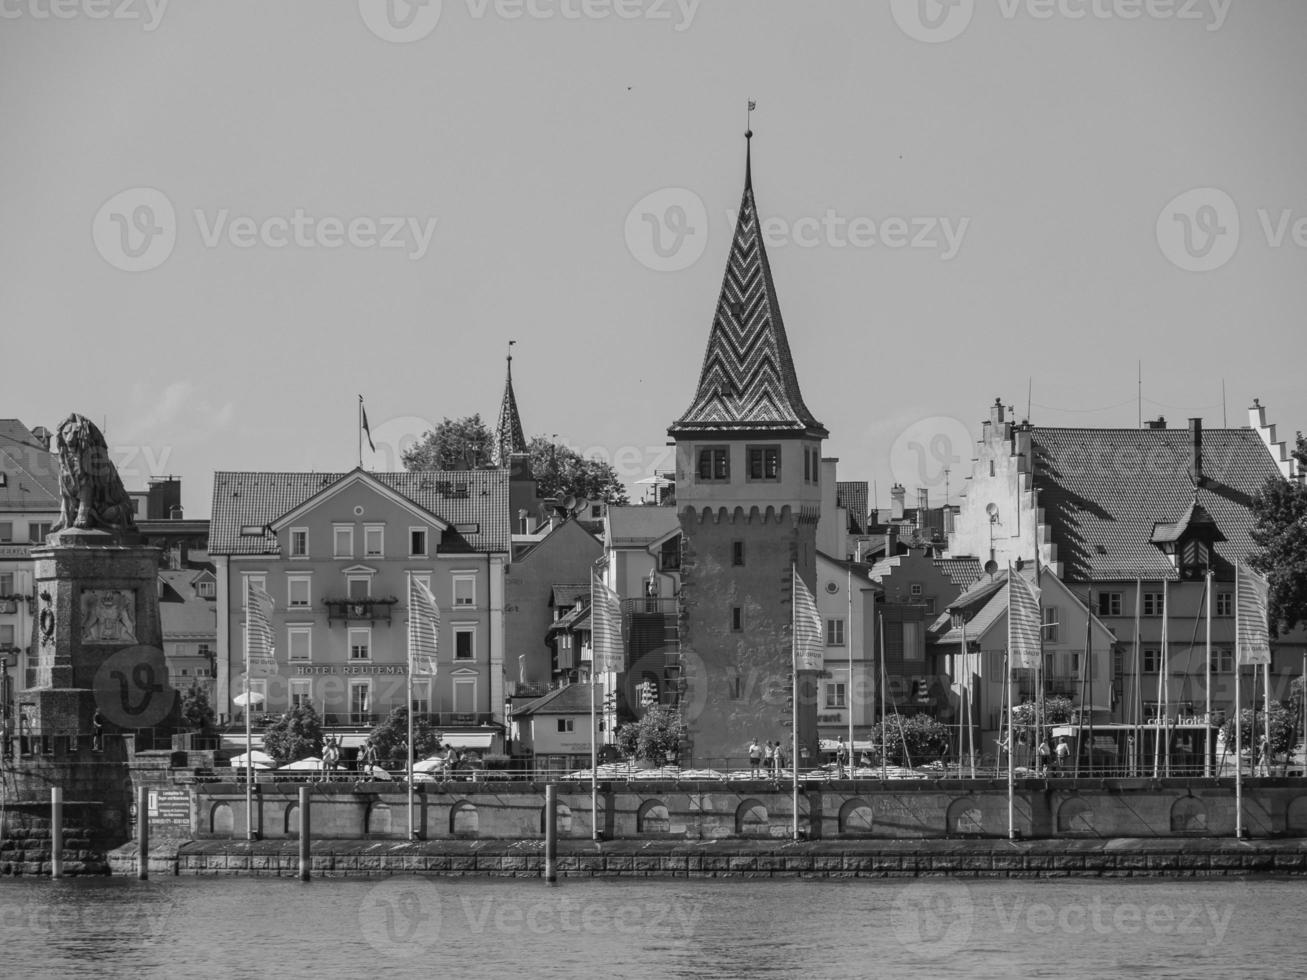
(891, 540)
(1158, 423)
(1196, 445)
(948, 519)
(996, 413)
(923, 505)
(897, 495)
(42, 435)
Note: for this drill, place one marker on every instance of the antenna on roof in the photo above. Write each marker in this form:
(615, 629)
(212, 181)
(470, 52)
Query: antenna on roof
(1140, 395)
(1225, 422)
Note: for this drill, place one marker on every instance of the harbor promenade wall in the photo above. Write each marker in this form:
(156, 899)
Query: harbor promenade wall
(892, 810)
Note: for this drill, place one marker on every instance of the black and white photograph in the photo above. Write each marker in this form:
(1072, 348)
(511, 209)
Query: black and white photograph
(677, 488)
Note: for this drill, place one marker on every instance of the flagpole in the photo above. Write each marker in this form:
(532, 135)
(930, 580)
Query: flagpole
(794, 702)
(1207, 707)
(848, 643)
(249, 740)
(1011, 731)
(1137, 702)
(884, 683)
(1238, 710)
(412, 622)
(594, 750)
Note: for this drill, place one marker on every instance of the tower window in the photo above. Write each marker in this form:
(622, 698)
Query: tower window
(737, 552)
(714, 464)
(737, 618)
(764, 462)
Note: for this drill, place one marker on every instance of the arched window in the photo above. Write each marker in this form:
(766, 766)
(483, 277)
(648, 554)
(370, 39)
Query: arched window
(463, 820)
(751, 820)
(653, 818)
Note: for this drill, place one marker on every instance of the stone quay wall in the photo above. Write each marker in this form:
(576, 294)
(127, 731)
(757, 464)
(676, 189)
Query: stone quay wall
(893, 810)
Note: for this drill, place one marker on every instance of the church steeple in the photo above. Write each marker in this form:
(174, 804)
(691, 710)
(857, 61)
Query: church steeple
(509, 437)
(748, 381)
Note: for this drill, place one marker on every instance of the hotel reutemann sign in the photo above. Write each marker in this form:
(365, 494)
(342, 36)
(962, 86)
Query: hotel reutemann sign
(381, 670)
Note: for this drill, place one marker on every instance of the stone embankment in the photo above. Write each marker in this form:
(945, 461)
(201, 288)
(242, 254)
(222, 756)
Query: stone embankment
(1121, 857)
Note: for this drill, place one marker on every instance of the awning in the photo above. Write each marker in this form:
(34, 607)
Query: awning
(351, 741)
(472, 740)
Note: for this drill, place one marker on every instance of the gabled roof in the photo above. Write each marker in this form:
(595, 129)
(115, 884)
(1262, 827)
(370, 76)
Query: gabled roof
(637, 527)
(571, 699)
(31, 472)
(509, 437)
(986, 601)
(963, 572)
(1104, 492)
(853, 495)
(474, 503)
(568, 595)
(748, 381)
(182, 613)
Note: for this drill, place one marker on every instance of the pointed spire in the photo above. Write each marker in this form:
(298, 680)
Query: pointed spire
(509, 437)
(748, 381)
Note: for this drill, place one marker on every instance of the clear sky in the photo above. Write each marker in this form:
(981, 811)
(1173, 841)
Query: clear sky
(225, 219)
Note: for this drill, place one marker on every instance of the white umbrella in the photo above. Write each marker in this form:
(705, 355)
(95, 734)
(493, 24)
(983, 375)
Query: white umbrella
(311, 764)
(375, 772)
(260, 760)
(429, 765)
(249, 697)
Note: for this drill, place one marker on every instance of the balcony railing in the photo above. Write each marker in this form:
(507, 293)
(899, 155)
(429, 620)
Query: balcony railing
(437, 719)
(360, 610)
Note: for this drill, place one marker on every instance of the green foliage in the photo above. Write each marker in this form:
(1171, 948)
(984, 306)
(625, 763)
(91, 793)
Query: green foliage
(295, 735)
(196, 712)
(915, 739)
(390, 739)
(1280, 533)
(1058, 710)
(561, 471)
(1282, 734)
(655, 737)
(454, 444)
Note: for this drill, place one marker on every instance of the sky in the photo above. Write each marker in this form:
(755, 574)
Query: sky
(224, 220)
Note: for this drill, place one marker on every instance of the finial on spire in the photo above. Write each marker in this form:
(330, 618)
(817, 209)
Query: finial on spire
(510, 350)
(748, 145)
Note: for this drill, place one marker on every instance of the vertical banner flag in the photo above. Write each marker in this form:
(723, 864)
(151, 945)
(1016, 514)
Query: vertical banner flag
(260, 645)
(1252, 602)
(606, 627)
(808, 641)
(1024, 620)
(367, 431)
(423, 628)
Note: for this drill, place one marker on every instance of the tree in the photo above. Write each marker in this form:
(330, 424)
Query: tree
(196, 712)
(454, 444)
(1058, 710)
(1280, 533)
(1282, 730)
(295, 735)
(561, 471)
(390, 739)
(655, 737)
(911, 739)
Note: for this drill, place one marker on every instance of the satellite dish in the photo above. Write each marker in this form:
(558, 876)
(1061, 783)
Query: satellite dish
(991, 509)
(991, 567)
(569, 504)
(579, 505)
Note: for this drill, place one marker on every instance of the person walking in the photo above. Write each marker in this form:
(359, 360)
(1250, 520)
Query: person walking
(755, 756)
(841, 757)
(1063, 753)
(330, 756)
(769, 756)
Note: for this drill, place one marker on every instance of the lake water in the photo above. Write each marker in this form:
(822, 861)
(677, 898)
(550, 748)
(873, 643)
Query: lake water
(472, 928)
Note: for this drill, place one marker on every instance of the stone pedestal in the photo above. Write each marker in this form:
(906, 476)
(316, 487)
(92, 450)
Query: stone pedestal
(99, 639)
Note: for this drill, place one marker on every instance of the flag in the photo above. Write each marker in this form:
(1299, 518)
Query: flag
(1024, 621)
(808, 641)
(752, 105)
(606, 627)
(423, 628)
(260, 645)
(1252, 599)
(363, 415)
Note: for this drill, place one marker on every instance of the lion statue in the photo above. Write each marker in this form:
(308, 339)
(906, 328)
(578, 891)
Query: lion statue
(91, 492)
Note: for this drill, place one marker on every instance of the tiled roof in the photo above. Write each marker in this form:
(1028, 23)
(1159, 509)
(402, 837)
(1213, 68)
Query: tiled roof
(31, 471)
(509, 437)
(571, 699)
(853, 495)
(567, 595)
(1104, 492)
(962, 572)
(182, 613)
(748, 381)
(243, 499)
(635, 526)
(991, 595)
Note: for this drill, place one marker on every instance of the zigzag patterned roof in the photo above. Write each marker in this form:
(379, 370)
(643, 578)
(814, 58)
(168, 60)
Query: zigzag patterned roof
(748, 381)
(509, 437)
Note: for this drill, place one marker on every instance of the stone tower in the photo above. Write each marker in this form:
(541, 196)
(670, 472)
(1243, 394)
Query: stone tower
(748, 464)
